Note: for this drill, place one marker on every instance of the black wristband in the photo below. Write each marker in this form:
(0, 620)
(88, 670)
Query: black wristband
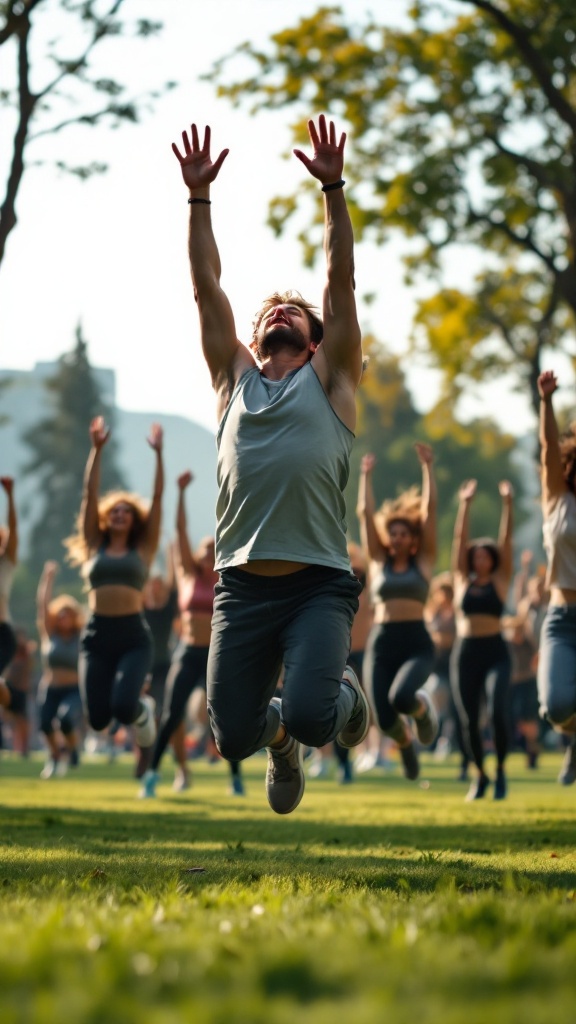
(197, 199)
(333, 185)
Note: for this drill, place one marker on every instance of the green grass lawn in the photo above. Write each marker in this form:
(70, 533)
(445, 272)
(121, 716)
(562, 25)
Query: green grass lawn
(381, 901)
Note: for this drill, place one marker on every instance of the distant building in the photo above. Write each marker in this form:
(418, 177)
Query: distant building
(26, 401)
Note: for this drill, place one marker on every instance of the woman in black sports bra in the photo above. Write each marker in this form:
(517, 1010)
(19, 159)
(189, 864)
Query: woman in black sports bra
(115, 544)
(480, 663)
(400, 541)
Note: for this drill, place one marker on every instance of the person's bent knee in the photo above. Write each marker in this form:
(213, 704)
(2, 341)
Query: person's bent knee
(66, 726)
(405, 703)
(304, 729)
(99, 722)
(45, 725)
(234, 748)
(558, 708)
(558, 712)
(125, 713)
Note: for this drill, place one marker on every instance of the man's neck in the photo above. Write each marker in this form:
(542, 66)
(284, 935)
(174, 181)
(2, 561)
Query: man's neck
(281, 364)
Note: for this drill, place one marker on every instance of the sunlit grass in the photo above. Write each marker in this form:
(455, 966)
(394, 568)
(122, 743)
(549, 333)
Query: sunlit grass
(381, 899)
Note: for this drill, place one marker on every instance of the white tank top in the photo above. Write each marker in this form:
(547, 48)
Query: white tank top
(559, 532)
(7, 569)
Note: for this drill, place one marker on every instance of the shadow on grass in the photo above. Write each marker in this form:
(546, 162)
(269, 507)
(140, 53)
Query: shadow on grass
(92, 848)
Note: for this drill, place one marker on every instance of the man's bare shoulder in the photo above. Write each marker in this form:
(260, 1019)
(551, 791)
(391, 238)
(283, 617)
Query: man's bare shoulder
(225, 383)
(339, 387)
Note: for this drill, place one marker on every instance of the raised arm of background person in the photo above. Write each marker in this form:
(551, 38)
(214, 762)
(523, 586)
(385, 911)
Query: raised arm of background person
(44, 596)
(459, 561)
(521, 578)
(365, 510)
(428, 510)
(185, 553)
(99, 435)
(170, 567)
(225, 355)
(505, 532)
(10, 547)
(151, 537)
(553, 481)
(338, 360)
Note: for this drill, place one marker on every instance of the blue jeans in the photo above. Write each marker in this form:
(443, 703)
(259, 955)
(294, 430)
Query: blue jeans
(557, 664)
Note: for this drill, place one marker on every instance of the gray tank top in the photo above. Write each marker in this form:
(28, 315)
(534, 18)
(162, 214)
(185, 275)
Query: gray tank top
(283, 463)
(127, 570)
(61, 652)
(560, 542)
(409, 585)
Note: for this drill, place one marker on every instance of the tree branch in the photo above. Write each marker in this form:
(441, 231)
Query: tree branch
(14, 22)
(538, 170)
(88, 119)
(532, 58)
(73, 66)
(27, 102)
(525, 241)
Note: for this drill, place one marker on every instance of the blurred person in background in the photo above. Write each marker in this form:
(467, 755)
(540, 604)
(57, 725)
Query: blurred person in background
(60, 622)
(400, 542)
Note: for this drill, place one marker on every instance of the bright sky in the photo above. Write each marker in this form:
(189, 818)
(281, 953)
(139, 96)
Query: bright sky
(112, 251)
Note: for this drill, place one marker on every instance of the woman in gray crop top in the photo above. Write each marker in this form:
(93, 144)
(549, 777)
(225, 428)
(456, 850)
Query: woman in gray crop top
(557, 661)
(400, 541)
(115, 544)
(59, 621)
(480, 662)
(196, 579)
(8, 558)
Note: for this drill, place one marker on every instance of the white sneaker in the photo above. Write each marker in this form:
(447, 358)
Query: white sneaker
(49, 769)
(318, 769)
(145, 726)
(181, 781)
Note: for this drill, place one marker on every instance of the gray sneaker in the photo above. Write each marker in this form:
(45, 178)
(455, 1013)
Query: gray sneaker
(285, 775)
(356, 728)
(568, 771)
(427, 724)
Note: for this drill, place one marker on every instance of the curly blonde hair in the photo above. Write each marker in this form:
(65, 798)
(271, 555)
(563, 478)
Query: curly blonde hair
(59, 604)
(406, 508)
(291, 298)
(78, 550)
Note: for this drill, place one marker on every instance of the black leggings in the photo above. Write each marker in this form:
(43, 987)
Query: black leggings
(7, 644)
(115, 658)
(188, 670)
(398, 660)
(480, 666)
(62, 703)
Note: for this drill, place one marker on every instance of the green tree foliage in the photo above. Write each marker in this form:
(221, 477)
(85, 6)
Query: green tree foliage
(462, 132)
(388, 426)
(51, 43)
(59, 448)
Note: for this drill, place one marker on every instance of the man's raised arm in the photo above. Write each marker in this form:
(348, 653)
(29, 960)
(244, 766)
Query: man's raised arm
(341, 346)
(224, 354)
